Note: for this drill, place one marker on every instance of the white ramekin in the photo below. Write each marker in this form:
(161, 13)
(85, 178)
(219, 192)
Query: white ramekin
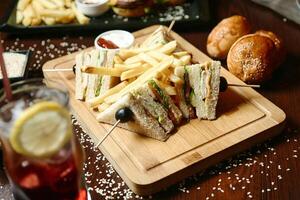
(93, 9)
(124, 34)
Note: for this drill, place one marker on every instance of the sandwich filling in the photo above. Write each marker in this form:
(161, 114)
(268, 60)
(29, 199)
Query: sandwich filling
(173, 112)
(204, 80)
(145, 97)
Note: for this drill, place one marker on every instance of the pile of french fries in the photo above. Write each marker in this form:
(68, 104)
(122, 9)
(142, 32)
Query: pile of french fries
(136, 66)
(49, 12)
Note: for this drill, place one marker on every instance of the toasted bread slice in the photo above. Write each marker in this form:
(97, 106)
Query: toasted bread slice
(205, 82)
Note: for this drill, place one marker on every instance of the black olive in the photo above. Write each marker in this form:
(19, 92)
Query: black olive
(123, 114)
(74, 69)
(223, 84)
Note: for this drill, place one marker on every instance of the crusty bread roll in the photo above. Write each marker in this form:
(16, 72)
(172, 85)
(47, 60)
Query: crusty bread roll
(252, 58)
(281, 52)
(222, 37)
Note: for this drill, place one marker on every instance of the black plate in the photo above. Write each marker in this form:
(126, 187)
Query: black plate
(196, 10)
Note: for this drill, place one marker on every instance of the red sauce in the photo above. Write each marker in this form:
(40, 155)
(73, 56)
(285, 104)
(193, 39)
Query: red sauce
(107, 44)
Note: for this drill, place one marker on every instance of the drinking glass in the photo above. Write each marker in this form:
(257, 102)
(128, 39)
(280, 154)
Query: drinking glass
(56, 176)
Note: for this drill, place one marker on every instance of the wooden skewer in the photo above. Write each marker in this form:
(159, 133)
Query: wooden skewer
(122, 115)
(237, 85)
(224, 84)
(5, 80)
(171, 26)
(108, 133)
(58, 70)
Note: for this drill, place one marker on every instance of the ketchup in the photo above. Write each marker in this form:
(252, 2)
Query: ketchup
(106, 43)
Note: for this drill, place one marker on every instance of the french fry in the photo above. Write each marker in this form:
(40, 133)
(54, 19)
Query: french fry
(35, 21)
(68, 3)
(28, 12)
(19, 17)
(48, 4)
(37, 7)
(148, 59)
(118, 60)
(175, 79)
(164, 78)
(180, 53)
(22, 4)
(133, 59)
(150, 73)
(134, 72)
(48, 20)
(186, 59)
(153, 47)
(179, 71)
(128, 67)
(158, 55)
(102, 107)
(169, 47)
(58, 3)
(167, 72)
(116, 72)
(48, 12)
(35, 18)
(82, 19)
(177, 63)
(127, 53)
(55, 13)
(170, 90)
(26, 21)
(100, 99)
(66, 19)
(131, 80)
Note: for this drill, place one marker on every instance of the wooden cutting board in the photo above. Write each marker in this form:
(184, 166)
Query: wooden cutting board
(244, 117)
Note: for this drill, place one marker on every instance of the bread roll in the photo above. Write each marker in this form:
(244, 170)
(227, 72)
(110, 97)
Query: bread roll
(225, 34)
(281, 52)
(252, 58)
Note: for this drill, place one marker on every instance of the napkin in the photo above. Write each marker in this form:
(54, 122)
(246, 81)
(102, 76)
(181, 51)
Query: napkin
(288, 8)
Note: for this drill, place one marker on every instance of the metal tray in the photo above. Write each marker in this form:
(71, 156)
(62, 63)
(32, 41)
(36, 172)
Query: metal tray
(197, 14)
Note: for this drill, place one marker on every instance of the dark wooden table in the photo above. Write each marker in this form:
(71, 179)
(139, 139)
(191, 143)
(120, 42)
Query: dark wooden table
(267, 171)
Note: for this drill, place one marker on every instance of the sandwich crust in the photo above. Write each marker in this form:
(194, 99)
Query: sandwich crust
(142, 122)
(145, 97)
(205, 81)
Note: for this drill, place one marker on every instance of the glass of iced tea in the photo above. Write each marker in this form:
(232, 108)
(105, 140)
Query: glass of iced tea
(42, 157)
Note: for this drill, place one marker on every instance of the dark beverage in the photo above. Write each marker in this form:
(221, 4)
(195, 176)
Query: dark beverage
(53, 175)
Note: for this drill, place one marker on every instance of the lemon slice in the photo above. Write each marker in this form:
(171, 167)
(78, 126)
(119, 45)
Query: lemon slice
(41, 130)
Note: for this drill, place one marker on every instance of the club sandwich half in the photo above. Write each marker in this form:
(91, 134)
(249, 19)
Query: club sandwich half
(156, 114)
(89, 86)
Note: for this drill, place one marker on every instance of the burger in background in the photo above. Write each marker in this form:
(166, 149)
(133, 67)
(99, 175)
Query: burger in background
(170, 2)
(131, 8)
(138, 8)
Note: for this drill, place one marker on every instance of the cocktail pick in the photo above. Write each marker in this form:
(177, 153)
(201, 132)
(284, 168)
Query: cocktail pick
(122, 115)
(61, 70)
(5, 80)
(171, 26)
(224, 85)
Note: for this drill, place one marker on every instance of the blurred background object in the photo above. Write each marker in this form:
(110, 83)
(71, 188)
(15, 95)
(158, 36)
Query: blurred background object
(287, 8)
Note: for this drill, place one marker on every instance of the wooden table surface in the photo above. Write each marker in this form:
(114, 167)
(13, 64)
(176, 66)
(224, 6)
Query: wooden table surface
(267, 171)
